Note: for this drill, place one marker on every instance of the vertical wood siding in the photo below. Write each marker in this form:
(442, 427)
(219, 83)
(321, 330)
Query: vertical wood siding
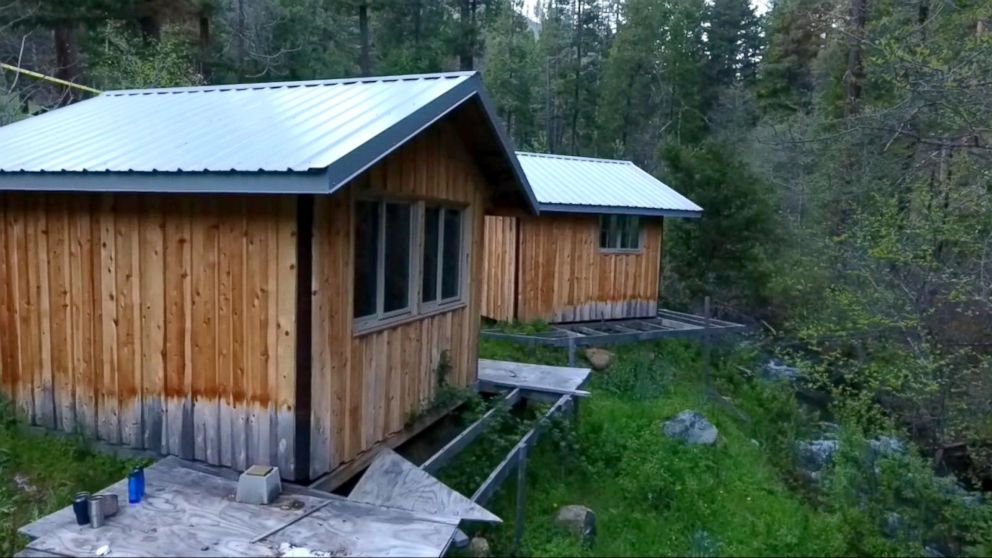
(499, 261)
(157, 322)
(366, 386)
(563, 276)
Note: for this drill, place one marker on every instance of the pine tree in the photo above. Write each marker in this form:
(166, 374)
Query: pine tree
(733, 40)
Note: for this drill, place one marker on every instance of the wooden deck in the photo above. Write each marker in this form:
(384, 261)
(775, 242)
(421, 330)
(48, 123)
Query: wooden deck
(190, 510)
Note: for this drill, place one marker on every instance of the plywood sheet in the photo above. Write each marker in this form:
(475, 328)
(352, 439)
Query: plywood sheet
(192, 512)
(558, 379)
(395, 482)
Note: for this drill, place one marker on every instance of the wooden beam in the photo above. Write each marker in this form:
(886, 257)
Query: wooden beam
(456, 445)
(511, 460)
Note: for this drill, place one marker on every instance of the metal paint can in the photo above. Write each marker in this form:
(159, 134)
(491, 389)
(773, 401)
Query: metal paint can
(110, 505)
(96, 511)
(81, 507)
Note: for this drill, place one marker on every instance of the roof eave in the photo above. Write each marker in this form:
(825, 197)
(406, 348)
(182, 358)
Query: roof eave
(620, 210)
(167, 182)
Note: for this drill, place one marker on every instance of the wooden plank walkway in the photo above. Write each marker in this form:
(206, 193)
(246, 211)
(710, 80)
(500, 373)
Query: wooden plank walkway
(191, 511)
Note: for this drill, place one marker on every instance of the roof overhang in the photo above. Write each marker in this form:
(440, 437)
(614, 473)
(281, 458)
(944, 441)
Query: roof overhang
(616, 210)
(468, 99)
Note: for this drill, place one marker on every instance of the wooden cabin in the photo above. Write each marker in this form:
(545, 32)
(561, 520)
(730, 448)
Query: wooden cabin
(593, 253)
(249, 274)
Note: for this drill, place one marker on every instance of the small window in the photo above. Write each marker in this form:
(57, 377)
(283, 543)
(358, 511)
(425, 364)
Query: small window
(383, 240)
(442, 254)
(620, 232)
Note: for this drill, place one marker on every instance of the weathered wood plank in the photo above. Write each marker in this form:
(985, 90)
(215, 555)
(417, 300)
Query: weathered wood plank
(108, 421)
(286, 336)
(151, 283)
(394, 482)
(84, 371)
(60, 313)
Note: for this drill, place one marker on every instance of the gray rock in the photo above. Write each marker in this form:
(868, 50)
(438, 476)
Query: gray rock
(459, 539)
(886, 446)
(931, 552)
(828, 430)
(600, 359)
(777, 371)
(479, 548)
(578, 520)
(692, 428)
(816, 455)
(702, 543)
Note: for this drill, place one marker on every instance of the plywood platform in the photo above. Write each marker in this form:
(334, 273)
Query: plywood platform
(559, 380)
(190, 511)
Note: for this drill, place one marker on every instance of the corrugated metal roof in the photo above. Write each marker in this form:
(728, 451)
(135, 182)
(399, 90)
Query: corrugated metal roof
(265, 127)
(315, 135)
(587, 185)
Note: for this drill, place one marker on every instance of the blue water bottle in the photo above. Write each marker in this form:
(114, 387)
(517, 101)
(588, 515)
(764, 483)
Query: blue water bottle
(135, 485)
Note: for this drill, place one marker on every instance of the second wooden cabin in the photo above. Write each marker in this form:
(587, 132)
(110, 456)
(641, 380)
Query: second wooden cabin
(593, 253)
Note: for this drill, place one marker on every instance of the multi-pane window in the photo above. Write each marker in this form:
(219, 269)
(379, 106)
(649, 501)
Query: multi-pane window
(383, 257)
(620, 232)
(387, 270)
(442, 254)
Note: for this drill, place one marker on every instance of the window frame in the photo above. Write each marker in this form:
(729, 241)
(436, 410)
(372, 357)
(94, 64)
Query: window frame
(439, 301)
(380, 316)
(619, 220)
(416, 307)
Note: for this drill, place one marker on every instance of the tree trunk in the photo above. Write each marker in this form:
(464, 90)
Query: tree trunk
(66, 57)
(241, 31)
(466, 58)
(149, 21)
(204, 44)
(855, 59)
(578, 77)
(365, 58)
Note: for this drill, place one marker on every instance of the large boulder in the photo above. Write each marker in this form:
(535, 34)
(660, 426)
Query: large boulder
(886, 446)
(478, 547)
(778, 371)
(816, 455)
(577, 520)
(599, 359)
(691, 428)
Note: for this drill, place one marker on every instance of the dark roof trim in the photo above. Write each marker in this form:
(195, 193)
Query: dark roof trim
(509, 152)
(617, 210)
(314, 182)
(372, 151)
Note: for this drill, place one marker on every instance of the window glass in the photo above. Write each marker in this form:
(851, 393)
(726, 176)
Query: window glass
(620, 232)
(450, 261)
(432, 235)
(396, 261)
(366, 257)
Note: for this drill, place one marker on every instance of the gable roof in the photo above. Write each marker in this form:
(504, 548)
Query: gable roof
(301, 137)
(585, 185)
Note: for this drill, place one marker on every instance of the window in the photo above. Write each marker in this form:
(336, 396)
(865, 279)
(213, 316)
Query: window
(442, 254)
(383, 241)
(387, 272)
(619, 232)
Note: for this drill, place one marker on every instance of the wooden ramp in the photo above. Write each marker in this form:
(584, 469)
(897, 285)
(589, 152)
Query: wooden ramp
(396, 483)
(558, 380)
(189, 510)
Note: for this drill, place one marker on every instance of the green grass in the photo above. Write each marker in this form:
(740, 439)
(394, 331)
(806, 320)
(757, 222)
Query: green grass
(51, 469)
(653, 496)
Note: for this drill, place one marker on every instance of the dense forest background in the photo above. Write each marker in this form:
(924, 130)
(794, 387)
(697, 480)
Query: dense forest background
(841, 149)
